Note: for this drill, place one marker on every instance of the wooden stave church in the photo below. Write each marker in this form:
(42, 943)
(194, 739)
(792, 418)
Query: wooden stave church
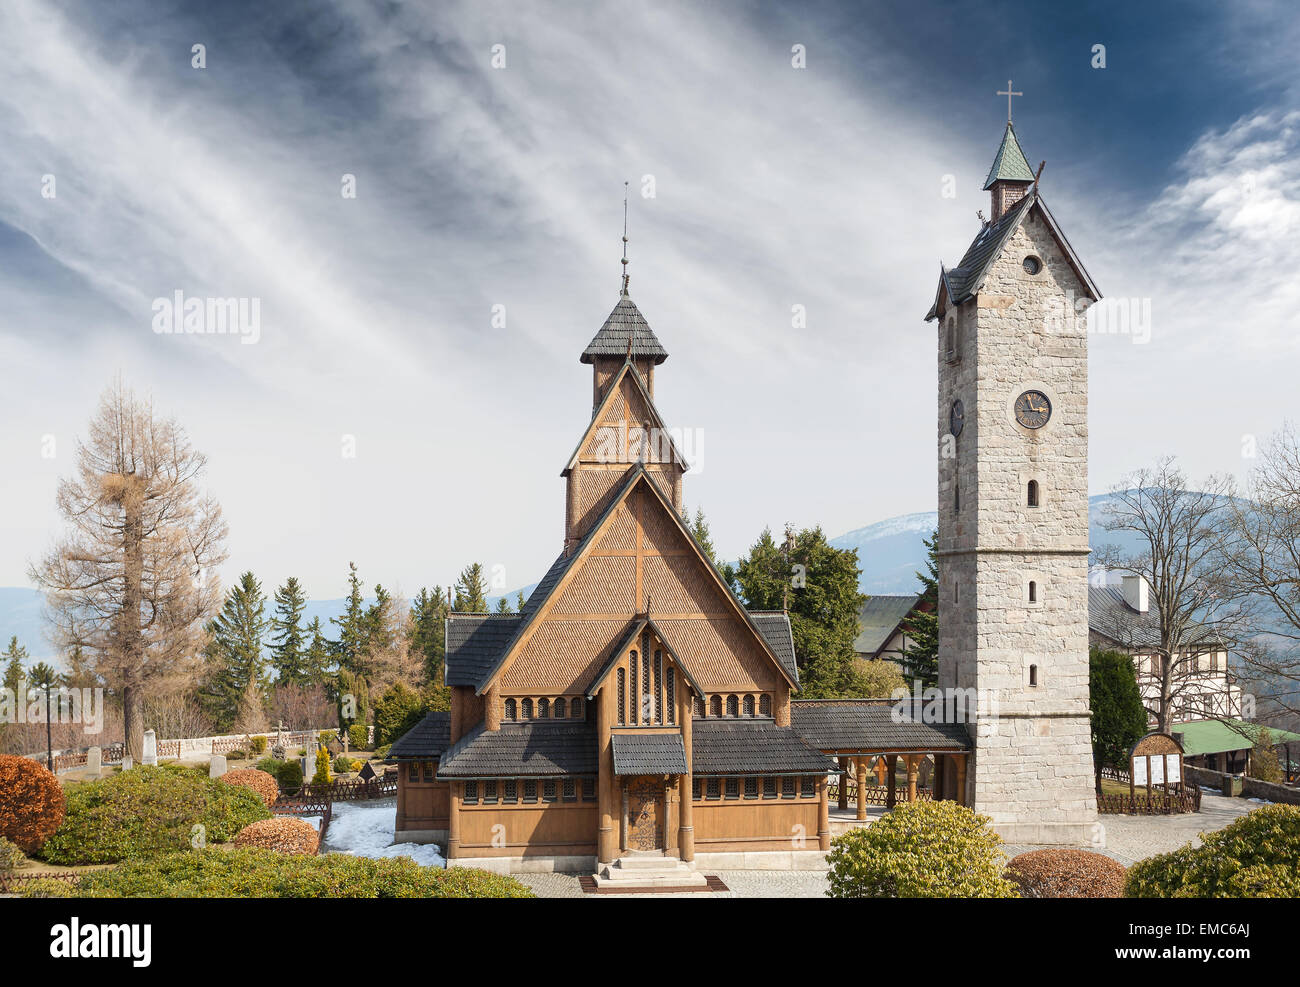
(722, 767)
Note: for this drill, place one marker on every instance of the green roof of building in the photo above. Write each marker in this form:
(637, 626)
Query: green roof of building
(1218, 736)
(1010, 163)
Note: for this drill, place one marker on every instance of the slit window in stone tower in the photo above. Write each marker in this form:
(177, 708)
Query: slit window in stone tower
(1033, 591)
(1033, 676)
(1032, 496)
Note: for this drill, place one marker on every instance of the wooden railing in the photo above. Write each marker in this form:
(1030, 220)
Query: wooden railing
(876, 794)
(305, 806)
(1156, 803)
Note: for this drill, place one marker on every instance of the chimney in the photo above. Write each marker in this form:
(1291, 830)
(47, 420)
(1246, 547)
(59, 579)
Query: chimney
(1135, 593)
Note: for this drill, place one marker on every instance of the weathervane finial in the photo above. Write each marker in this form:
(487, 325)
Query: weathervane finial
(625, 274)
(1008, 94)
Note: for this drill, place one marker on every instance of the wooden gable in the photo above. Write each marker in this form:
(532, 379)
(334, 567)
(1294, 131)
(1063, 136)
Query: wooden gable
(640, 559)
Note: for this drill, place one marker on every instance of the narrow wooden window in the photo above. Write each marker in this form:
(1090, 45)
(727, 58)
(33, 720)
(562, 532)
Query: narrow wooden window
(512, 711)
(471, 793)
(715, 705)
(622, 696)
(647, 689)
(570, 790)
(733, 706)
(575, 708)
(588, 789)
(808, 787)
(671, 675)
(712, 790)
(548, 791)
(696, 790)
(526, 709)
(733, 788)
(530, 791)
(490, 792)
(659, 686)
(749, 706)
(543, 708)
(751, 788)
(769, 788)
(765, 705)
(1032, 495)
(560, 711)
(428, 772)
(698, 703)
(633, 706)
(787, 787)
(512, 791)
(413, 772)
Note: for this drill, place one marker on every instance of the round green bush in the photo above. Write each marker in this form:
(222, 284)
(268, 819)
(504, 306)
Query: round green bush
(1257, 856)
(258, 745)
(258, 873)
(146, 811)
(359, 736)
(921, 850)
(11, 855)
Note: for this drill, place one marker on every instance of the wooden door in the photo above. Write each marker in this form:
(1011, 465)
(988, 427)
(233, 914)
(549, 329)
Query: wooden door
(645, 799)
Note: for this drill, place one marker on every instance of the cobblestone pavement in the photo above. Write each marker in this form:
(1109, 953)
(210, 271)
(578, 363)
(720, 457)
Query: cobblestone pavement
(1128, 840)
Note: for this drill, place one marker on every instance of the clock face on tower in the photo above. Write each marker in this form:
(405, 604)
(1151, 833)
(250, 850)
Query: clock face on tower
(1033, 409)
(956, 419)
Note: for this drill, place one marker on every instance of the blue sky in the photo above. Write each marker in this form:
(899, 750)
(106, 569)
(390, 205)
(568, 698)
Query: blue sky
(1173, 169)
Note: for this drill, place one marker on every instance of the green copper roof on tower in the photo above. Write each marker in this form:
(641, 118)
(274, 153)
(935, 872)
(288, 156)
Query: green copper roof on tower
(1010, 164)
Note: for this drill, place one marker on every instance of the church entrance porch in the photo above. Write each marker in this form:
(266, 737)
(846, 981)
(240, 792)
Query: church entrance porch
(643, 814)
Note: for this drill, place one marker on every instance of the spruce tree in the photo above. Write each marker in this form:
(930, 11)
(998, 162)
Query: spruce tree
(234, 652)
(14, 656)
(352, 625)
(471, 590)
(318, 657)
(921, 660)
(1118, 717)
(288, 638)
(519, 602)
(503, 605)
(699, 528)
(819, 584)
(428, 622)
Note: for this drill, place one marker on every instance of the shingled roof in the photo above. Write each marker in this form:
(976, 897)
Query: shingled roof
(523, 750)
(774, 625)
(868, 725)
(648, 753)
(1010, 163)
(624, 323)
(879, 619)
(474, 640)
(752, 746)
(427, 740)
(1110, 616)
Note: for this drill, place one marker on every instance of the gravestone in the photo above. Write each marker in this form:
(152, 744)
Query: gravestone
(94, 761)
(217, 766)
(150, 748)
(127, 762)
(309, 765)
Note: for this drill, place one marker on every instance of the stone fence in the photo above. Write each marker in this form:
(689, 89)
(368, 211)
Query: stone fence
(1254, 788)
(1226, 783)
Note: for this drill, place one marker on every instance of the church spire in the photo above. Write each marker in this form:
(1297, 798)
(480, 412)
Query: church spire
(626, 278)
(1010, 176)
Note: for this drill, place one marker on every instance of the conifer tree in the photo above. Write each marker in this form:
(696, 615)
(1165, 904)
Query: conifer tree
(14, 657)
(503, 605)
(235, 651)
(352, 625)
(519, 603)
(317, 659)
(699, 527)
(428, 620)
(471, 590)
(288, 637)
(1118, 718)
(921, 660)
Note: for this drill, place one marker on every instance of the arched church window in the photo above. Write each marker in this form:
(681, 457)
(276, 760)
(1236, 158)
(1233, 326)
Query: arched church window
(1033, 675)
(765, 705)
(543, 708)
(511, 711)
(632, 704)
(956, 497)
(1033, 591)
(560, 711)
(671, 685)
(575, 708)
(749, 706)
(1032, 496)
(733, 706)
(622, 695)
(526, 709)
(699, 706)
(715, 705)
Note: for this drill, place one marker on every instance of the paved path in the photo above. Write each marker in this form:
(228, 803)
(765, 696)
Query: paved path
(1128, 840)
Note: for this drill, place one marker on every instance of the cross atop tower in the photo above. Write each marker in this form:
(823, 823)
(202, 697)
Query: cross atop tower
(1008, 94)
(625, 275)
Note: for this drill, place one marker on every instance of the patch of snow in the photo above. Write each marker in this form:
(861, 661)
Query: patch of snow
(367, 831)
(1261, 801)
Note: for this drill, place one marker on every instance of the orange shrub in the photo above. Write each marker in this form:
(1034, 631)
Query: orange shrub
(283, 833)
(259, 781)
(31, 802)
(1066, 874)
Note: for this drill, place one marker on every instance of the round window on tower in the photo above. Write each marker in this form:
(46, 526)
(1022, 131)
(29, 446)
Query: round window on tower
(1032, 264)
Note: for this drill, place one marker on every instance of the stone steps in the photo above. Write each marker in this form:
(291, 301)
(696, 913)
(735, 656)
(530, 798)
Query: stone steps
(648, 870)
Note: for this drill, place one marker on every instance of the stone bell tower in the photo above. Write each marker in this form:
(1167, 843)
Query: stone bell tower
(1013, 510)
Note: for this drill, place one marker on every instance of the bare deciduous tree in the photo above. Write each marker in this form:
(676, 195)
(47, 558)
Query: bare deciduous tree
(133, 581)
(1178, 532)
(1261, 564)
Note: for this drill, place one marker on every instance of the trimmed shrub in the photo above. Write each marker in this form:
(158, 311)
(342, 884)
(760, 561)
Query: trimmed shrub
(46, 887)
(1066, 874)
(344, 764)
(382, 750)
(239, 872)
(11, 857)
(287, 774)
(921, 850)
(261, 782)
(237, 755)
(32, 804)
(146, 811)
(1257, 856)
(322, 775)
(258, 745)
(284, 834)
(359, 736)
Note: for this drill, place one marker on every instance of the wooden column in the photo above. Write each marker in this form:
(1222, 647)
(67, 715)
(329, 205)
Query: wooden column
(912, 764)
(455, 790)
(862, 787)
(891, 794)
(961, 778)
(686, 834)
(401, 797)
(937, 777)
(606, 845)
(844, 784)
(824, 815)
